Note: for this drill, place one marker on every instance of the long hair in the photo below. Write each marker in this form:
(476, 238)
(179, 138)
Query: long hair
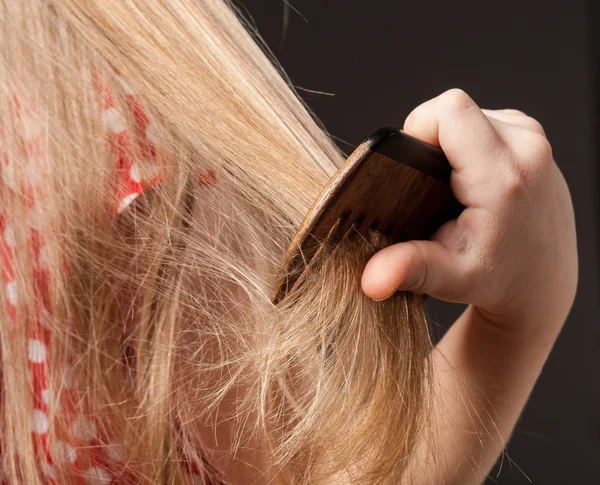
(155, 163)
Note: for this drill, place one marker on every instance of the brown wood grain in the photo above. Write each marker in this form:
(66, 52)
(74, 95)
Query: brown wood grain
(370, 191)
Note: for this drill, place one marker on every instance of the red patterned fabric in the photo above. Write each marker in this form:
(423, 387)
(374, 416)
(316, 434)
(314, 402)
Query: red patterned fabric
(82, 436)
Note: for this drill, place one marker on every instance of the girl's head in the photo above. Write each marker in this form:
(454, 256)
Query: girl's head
(154, 165)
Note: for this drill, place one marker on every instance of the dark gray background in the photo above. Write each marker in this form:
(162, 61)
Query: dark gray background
(383, 57)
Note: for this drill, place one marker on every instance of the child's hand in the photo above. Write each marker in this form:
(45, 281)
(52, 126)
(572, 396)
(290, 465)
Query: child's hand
(512, 253)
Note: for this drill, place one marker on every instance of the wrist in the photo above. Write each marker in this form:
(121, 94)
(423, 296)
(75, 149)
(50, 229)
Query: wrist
(530, 322)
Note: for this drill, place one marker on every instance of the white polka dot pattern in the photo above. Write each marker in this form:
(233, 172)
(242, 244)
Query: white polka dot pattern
(43, 257)
(152, 134)
(114, 120)
(35, 218)
(36, 351)
(12, 293)
(67, 378)
(115, 452)
(45, 396)
(128, 199)
(9, 236)
(135, 174)
(39, 422)
(83, 429)
(48, 470)
(66, 453)
(98, 476)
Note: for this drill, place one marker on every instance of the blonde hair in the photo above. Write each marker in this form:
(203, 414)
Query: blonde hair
(164, 359)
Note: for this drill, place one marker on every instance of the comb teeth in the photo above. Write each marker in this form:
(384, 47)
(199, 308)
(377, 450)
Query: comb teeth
(374, 226)
(360, 222)
(345, 222)
(392, 184)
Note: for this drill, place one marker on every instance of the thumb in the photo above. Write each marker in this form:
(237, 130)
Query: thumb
(417, 266)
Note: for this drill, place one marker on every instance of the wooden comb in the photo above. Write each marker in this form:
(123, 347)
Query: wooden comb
(392, 183)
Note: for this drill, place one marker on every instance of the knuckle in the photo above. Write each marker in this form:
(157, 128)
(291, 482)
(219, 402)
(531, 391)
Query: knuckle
(457, 99)
(413, 119)
(536, 150)
(526, 121)
(513, 184)
(515, 112)
(535, 125)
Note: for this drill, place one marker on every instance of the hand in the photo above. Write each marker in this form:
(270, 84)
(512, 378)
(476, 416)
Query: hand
(512, 252)
(511, 255)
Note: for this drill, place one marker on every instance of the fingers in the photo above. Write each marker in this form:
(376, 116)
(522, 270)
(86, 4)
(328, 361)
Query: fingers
(516, 118)
(417, 266)
(525, 139)
(499, 158)
(454, 122)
